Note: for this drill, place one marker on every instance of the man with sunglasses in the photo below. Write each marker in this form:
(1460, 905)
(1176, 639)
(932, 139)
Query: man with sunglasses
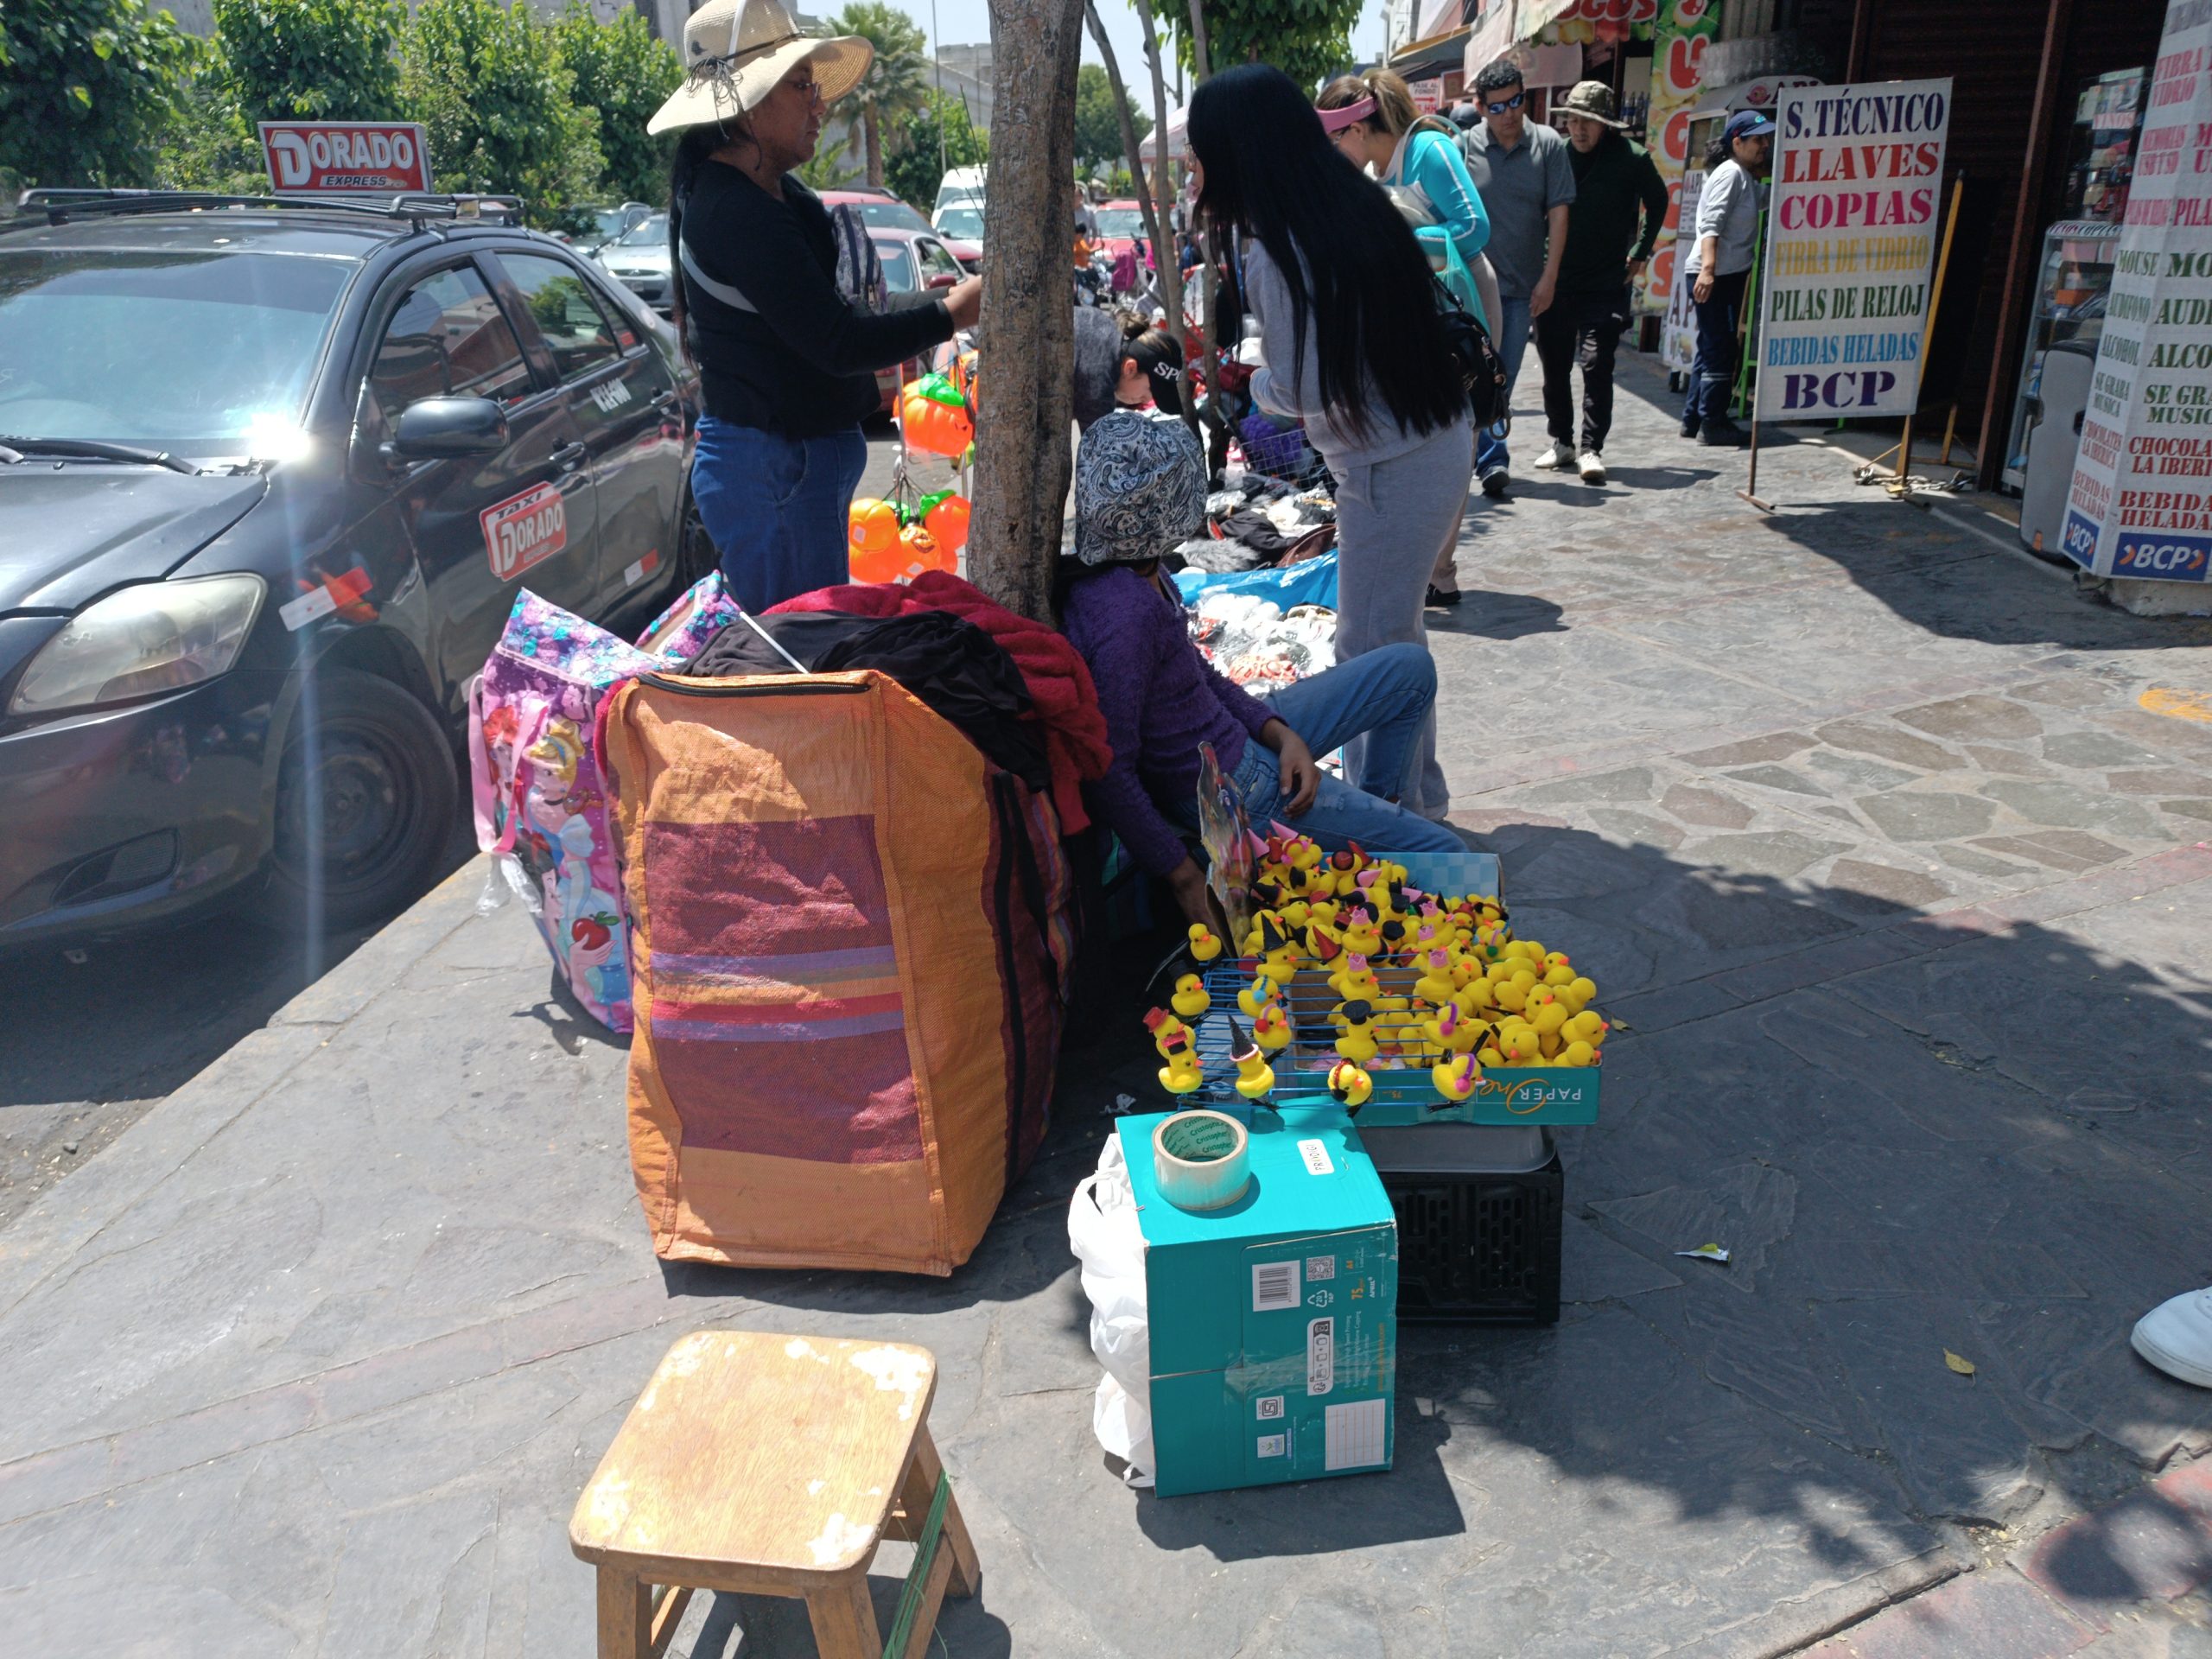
(1522, 171)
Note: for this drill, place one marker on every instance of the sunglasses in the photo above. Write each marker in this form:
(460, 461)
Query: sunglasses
(1512, 102)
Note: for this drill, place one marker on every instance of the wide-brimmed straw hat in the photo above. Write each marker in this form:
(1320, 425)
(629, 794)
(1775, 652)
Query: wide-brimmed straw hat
(1592, 99)
(735, 51)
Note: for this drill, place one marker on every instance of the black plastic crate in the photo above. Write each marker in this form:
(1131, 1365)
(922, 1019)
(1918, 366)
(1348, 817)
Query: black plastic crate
(1478, 1247)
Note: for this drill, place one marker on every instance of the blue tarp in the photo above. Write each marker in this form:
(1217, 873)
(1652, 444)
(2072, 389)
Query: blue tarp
(1310, 582)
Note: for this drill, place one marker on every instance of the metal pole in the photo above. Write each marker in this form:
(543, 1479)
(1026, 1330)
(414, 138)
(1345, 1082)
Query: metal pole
(936, 63)
(1927, 325)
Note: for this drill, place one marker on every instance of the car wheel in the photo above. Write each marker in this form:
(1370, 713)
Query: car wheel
(365, 797)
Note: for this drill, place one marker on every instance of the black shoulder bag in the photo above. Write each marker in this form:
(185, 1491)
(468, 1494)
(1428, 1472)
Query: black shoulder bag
(1481, 370)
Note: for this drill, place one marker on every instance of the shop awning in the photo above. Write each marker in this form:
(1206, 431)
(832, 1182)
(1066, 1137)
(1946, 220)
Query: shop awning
(1438, 56)
(1505, 25)
(1762, 93)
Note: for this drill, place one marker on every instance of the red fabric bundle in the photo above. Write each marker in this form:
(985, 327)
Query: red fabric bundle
(1058, 679)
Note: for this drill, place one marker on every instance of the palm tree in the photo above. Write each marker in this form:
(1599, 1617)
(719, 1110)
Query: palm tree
(897, 81)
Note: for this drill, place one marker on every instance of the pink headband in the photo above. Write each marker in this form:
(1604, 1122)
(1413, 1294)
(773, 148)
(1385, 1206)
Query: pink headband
(1338, 119)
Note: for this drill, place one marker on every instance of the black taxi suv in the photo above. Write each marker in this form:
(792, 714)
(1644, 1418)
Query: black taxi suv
(272, 471)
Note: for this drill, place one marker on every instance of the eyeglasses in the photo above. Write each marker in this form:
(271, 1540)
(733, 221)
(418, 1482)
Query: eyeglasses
(1512, 102)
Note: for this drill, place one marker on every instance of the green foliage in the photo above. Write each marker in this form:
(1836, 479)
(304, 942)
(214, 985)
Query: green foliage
(89, 89)
(1097, 129)
(501, 107)
(829, 169)
(895, 85)
(1308, 40)
(624, 74)
(939, 128)
(309, 59)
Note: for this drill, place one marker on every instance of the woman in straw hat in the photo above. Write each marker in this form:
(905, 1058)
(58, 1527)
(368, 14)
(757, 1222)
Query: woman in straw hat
(787, 364)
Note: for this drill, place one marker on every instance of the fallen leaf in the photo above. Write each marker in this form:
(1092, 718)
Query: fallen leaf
(1707, 1253)
(1962, 1366)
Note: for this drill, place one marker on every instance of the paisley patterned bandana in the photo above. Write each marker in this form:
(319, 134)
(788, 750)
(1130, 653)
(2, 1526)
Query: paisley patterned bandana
(1139, 488)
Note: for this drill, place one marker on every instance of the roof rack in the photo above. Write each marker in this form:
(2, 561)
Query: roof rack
(60, 204)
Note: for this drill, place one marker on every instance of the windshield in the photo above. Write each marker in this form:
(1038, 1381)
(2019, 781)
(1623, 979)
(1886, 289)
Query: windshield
(607, 222)
(647, 234)
(878, 215)
(965, 223)
(207, 353)
(1120, 221)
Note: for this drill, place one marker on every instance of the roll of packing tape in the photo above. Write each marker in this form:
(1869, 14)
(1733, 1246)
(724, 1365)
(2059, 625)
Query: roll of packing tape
(1202, 1160)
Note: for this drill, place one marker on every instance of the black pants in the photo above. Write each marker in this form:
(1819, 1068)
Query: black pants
(1581, 330)
(1713, 373)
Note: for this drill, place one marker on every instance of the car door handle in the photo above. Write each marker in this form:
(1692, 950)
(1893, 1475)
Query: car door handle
(570, 457)
(666, 400)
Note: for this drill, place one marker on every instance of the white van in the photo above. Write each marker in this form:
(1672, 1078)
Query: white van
(962, 184)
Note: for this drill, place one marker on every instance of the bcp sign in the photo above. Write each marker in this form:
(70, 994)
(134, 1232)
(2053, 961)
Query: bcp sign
(344, 158)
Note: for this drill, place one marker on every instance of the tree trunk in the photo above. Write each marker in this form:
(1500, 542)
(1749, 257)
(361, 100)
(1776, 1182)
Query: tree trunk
(1164, 168)
(1026, 378)
(1163, 252)
(874, 146)
(1202, 66)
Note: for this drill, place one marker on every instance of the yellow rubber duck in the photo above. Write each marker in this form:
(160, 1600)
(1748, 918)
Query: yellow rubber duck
(1358, 1043)
(1261, 991)
(1181, 1077)
(1579, 993)
(1254, 1077)
(1350, 1086)
(1204, 946)
(1586, 1026)
(1356, 981)
(1521, 1045)
(1168, 1033)
(1435, 985)
(1271, 1027)
(1578, 1053)
(1457, 1077)
(1510, 994)
(1190, 1000)
(1279, 951)
(1547, 1017)
(1362, 933)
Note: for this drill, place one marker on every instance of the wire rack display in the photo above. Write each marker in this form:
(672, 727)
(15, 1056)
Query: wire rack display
(1399, 1069)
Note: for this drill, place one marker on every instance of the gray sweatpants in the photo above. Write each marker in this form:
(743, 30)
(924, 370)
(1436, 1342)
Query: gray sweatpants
(1392, 518)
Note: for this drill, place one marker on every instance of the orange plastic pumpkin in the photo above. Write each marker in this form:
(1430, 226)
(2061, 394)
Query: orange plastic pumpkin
(948, 522)
(934, 428)
(918, 551)
(873, 552)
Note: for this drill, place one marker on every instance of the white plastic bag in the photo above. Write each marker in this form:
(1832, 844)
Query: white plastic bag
(1103, 1230)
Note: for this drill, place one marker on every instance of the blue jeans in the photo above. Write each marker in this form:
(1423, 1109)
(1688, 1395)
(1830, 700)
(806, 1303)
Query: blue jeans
(1713, 370)
(1383, 695)
(776, 507)
(1511, 339)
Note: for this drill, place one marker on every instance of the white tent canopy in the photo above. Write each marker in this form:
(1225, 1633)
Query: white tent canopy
(1177, 119)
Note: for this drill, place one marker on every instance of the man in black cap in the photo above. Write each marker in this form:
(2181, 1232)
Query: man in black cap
(1718, 265)
(1616, 187)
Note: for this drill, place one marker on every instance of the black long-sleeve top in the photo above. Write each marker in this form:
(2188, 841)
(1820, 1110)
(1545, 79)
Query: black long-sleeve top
(801, 363)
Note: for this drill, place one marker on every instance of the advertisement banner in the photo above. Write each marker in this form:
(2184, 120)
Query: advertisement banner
(1678, 43)
(1678, 327)
(1428, 95)
(1851, 248)
(2141, 500)
(346, 157)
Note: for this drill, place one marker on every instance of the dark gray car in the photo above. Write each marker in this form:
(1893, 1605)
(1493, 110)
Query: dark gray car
(271, 475)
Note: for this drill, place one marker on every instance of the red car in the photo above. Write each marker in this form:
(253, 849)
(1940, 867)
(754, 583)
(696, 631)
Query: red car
(1121, 228)
(881, 211)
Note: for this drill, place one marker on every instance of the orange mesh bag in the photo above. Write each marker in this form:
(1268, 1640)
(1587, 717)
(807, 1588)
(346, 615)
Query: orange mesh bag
(849, 946)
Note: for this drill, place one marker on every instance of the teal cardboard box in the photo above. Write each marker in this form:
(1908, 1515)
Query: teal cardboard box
(1273, 1319)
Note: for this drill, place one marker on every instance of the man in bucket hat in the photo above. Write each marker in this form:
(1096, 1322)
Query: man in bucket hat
(787, 362)
(1616, 187)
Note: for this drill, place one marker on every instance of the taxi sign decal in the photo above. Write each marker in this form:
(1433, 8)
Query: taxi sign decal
(524, 530)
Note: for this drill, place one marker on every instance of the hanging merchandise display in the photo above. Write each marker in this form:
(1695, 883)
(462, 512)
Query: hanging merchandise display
(935, 419)
(2141, 501)
(1678, 44)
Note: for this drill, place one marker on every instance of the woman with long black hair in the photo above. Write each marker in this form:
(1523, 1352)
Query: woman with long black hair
(1353, 347)
(787, 364)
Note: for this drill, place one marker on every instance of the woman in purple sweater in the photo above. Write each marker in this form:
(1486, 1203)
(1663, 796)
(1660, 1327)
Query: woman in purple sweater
(1140, 489)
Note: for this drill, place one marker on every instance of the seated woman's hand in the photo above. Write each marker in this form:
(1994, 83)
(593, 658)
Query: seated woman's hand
(1301, 778)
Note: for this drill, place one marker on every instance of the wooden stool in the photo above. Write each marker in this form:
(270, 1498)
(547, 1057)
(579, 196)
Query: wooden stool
(773, 1465)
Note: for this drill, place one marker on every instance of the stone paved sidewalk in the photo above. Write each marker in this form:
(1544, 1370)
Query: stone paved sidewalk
(1879, 853)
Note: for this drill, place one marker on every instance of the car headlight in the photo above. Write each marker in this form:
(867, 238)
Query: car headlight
(155, 636)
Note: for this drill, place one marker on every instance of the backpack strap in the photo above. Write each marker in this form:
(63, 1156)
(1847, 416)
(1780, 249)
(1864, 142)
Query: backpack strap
(731, 297)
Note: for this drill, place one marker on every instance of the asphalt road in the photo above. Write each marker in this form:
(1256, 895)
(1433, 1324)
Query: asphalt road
(92, 1039)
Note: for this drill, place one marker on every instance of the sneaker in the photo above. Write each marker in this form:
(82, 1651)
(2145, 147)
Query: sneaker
(1592, 465)
(1689, 427)
(2176, 1336)
(1495, 482)
(1723, 434)
(1440, 599)
(1560, 458)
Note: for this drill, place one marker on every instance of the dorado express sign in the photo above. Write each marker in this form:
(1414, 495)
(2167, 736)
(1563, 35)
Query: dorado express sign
(524, 530)
(346, 157)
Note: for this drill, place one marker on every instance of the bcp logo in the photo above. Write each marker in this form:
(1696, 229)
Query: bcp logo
(2079, 540)
(2168, 558)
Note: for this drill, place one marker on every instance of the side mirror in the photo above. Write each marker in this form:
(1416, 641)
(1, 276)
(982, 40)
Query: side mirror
(944, 279)
(440, 429)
